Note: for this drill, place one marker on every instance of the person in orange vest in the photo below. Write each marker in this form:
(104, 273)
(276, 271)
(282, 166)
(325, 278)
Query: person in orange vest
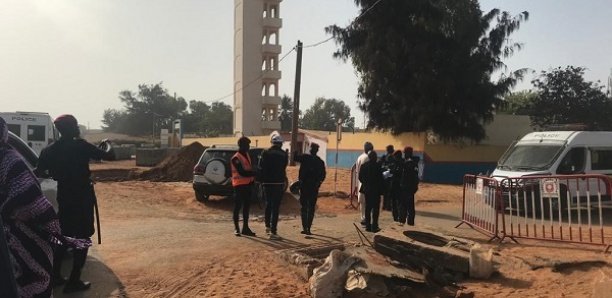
(243, 177)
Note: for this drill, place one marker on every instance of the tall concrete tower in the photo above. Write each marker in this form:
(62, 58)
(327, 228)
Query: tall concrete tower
(257, 25)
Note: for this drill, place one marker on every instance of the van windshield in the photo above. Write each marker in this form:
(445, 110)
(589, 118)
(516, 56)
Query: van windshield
(530, 157)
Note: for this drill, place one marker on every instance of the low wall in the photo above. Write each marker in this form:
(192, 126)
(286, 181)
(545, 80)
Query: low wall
(124, 152)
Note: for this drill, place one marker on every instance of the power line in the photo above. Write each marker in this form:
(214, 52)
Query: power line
(250, 82)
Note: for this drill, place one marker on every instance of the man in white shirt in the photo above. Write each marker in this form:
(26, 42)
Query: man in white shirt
(367, 147)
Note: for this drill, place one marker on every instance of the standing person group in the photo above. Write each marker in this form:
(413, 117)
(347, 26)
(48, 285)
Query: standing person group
(394, 176)
(67, 161)
(273, 166)
(312, 174)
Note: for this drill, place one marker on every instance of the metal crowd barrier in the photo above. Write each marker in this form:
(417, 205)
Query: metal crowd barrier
(480, 201)
(566, 208)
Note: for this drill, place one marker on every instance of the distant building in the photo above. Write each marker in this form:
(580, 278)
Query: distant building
(256, 73)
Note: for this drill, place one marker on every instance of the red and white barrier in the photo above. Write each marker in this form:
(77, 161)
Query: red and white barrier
(480, 201)
(567, 208)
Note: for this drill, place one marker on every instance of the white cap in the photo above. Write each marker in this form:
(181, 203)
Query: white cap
(276, 139)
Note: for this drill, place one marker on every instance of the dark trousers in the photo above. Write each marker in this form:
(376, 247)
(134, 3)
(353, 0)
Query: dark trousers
(78, 262)
(308, 200)
(274, 195)
(406, 212)
(387, 197)
(372, 210)
(242, 200)
(395, 203)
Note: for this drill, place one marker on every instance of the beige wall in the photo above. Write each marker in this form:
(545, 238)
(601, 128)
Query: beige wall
(506, 128)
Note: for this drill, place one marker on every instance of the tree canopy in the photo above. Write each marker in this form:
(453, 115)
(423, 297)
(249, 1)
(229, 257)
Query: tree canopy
(518, 103)
(564, 97)
(153, 108)
(325, 113)
(428, 64)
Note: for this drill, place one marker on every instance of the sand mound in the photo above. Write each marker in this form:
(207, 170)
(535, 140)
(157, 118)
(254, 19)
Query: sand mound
(176, 167)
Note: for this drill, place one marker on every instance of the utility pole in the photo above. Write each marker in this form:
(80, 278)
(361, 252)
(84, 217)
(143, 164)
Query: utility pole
(296, 102)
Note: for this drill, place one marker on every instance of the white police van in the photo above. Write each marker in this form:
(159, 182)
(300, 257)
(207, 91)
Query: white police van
(560, 153)
(36, 129)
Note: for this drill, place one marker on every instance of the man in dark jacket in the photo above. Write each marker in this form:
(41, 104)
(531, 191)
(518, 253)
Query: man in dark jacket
(395, 170)
(243, 176)
(312, 174)
(372, 185)
(409, 186)
(67, 161)
(387, 161)
(273, 166)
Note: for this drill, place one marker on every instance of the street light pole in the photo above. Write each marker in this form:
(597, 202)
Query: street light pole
(338, 138)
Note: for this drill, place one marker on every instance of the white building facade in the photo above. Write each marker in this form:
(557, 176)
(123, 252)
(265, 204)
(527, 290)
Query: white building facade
(257, 48)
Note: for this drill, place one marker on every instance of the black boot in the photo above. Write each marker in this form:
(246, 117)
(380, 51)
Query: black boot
(247, 232)
(75, 284)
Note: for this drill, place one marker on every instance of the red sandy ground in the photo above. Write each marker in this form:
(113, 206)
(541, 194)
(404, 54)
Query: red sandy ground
(160, 242)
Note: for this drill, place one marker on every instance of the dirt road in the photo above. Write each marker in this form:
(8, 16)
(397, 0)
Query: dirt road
(159, 242)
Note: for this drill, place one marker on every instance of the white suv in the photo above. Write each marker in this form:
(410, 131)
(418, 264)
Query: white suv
(48, 185)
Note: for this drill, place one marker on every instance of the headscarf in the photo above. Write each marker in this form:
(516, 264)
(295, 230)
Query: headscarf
(29, 222)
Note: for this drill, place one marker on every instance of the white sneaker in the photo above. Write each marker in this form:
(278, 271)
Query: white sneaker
(268, 231)
(401, 224)
(274, 237)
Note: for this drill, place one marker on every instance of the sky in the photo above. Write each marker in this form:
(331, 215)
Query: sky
(75, 56)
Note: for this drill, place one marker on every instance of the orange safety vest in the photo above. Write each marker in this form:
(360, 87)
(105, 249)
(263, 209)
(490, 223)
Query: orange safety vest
(246, 165)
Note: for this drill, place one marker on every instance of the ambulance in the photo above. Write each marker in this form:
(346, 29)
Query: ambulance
(36, 129)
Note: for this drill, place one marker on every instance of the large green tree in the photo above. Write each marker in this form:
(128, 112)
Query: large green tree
(325, 113)
(219, 120)
(428, 64)
(564, 97)
(518, 103)
(146, 111)
(196, 120)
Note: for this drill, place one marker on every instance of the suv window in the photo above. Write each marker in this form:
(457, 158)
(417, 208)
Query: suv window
(227, 155)
(210, 154)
